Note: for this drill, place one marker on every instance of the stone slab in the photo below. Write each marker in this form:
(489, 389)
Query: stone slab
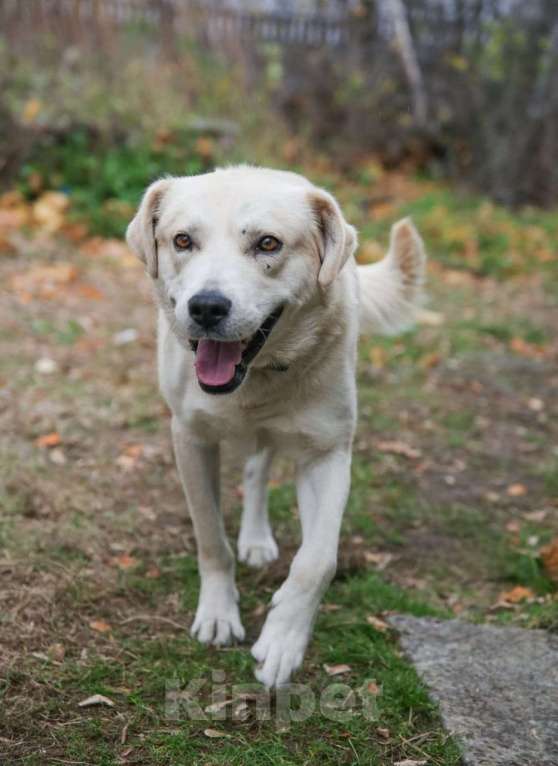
(497, 687)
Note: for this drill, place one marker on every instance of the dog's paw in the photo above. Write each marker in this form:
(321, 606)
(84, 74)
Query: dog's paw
(217, 619)
(280, 648)
(257, 553)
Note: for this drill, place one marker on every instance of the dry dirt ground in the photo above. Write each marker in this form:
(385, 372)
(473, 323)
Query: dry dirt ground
(455, 489)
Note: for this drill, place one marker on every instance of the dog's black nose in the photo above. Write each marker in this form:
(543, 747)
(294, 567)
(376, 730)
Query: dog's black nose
(208, 308)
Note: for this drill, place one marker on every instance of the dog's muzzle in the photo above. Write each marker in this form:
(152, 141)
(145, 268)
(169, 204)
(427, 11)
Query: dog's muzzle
(221, 366)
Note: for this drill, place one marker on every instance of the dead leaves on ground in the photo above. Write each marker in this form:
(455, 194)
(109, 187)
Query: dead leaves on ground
(517, 490)
(337, 670)
(111, 249)
(379, 559)
(124, 562)
(377, 623)
(51, 282)
(516, 595)
(399, 448)
(43, 281)
(96, 699)
(44, 219)
(216, 734)
(46, 441)
(48, 212)
(100, 626)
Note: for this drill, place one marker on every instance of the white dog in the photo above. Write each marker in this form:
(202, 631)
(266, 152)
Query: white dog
(260, 307)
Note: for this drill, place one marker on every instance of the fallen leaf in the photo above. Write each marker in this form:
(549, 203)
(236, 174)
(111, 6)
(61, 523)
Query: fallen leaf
(56, 652)
(516, 595)
(215, 707)
(337, 670)
(31, 110)
(535, 515)
(410, 762)
(372, 688)
(57, 456)
(205, 147)
(513, 526)
(49, 211)
(124, 561)
(549, 558)
(516, 490)
(492, 497)
(428, 361)
(147, 512)
(90, 292)
(379, 559)
(215, 733)
(126, 462)
(377, 623)
(530, 350)
(100, 626)
(430, 318)
(40, 656)
(134, 450)
(96, 699)
(536, 405)
(378, 357)
(46, 366)
(330, 607)
(399, 448)
(382, 732)
(52, 439)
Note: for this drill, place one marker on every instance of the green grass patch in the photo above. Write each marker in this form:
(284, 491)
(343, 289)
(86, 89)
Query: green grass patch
(106, 176)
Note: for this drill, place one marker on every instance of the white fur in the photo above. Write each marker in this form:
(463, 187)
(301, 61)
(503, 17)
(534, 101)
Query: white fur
(307, 411)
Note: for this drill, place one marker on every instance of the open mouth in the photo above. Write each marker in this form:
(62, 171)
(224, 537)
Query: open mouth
(221, 366)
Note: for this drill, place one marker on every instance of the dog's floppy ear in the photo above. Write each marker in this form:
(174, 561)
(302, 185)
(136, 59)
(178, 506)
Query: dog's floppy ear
(337, 240)
(140, 234)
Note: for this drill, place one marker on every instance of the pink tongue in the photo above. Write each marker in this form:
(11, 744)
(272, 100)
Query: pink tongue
(216, 360)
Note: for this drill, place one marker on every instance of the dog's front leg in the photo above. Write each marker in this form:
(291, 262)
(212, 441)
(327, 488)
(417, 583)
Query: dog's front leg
(217, 619)
(322, 489)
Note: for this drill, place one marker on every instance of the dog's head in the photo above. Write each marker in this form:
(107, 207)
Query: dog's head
(228, 251)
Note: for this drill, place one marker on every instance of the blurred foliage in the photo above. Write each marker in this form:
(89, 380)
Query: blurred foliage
(470, 232)
(99, 113)
(104, 178)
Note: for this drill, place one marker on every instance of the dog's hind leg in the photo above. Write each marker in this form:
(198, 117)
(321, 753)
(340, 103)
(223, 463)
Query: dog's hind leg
(256, 545)
(217, 619)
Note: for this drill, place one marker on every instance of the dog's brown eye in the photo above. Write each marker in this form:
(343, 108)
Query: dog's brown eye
(269, 244)
(183, 242)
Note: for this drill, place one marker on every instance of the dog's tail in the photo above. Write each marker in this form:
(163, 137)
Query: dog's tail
(391, 289)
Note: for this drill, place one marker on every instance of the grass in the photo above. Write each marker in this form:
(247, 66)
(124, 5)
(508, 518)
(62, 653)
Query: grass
(149, 669)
